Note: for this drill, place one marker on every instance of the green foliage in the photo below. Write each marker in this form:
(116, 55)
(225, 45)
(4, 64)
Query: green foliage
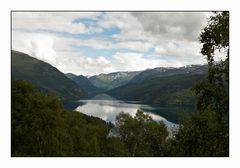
(115, 147)
(41, 127)
(206, 133)
(214, 93)
(200, 135)
(167, 90)
(141, 135)
(215, 36)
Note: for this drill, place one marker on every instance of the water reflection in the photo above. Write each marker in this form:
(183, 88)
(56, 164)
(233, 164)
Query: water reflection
(108, 108)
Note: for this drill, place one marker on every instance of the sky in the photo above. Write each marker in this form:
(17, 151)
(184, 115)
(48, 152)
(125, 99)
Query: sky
(90, 43)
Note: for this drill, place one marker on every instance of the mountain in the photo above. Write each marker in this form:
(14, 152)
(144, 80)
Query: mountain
(46, 77)
(169, 71)
(70, 75)
(112, 80)
(82, 81)
(165, 86)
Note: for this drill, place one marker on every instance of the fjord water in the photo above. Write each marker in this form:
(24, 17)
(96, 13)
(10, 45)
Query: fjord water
(107, 108)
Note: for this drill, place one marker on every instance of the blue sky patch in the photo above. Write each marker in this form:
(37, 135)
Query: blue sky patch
(108, 53)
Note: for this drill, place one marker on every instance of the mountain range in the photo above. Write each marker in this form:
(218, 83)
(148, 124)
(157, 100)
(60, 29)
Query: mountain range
(83, 82)
(165, 86)
(112, 80)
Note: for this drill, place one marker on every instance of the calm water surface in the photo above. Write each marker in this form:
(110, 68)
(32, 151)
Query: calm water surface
(107, 108)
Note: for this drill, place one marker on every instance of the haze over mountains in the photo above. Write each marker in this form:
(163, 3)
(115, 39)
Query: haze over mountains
(112, 80)
(166, 86)
(43, 75)
(83, 82)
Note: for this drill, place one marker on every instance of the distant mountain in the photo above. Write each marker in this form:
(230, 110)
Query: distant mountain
(46, 77)
(166, 86)
(70, 75)
(82, 81)
(163, 72)
(112, 80)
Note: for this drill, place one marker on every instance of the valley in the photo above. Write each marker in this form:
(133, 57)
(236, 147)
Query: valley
(168, 88)
(119, 84)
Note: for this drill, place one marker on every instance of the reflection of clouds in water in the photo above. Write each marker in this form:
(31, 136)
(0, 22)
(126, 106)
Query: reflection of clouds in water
(108, 110)
(160, 118)
(105, 112)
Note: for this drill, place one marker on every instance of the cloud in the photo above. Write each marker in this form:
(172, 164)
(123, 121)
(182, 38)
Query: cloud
(138, 46)
(144, 40)
(133, 61)
(37, 45)
(80, 64)
(185, 52)
(131, 28)
(59, 52)
(53, 21)
(184, 26)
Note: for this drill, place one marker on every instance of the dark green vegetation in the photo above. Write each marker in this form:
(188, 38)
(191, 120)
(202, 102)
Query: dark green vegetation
(42, 127)
(112, 80)
(141, 135)
(167, 72)
(206, 133)
(83, 82)
(70, 75)
(167, 90)
(46, 77)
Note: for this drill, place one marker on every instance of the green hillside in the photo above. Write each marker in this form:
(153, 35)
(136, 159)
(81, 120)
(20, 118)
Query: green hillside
(40, 126)
(83, 82)
(168, 90)
(112, 80)
(46, 77)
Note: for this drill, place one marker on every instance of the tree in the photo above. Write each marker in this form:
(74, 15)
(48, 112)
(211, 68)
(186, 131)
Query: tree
(40, 126)
(141, 135)
(213, 94)
(206, 133)
(200, 135)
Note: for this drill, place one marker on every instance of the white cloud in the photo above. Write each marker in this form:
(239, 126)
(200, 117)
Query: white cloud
(172, 35)
(173, 25)
(53, 21)
(81, 64)
(134, 45)
(133, 61)
(36, 45)
(57, 51)
(105, 44)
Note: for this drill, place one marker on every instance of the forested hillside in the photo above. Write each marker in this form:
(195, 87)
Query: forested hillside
(167, 90)
(42, 127)
(112, 80)
(46, 77)
(83, 82)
